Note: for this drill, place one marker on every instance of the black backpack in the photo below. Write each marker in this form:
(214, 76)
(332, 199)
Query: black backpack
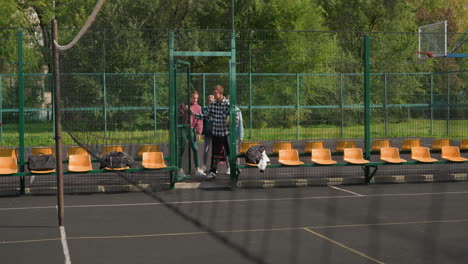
(254, 154)
(41, 162)
(116, 159)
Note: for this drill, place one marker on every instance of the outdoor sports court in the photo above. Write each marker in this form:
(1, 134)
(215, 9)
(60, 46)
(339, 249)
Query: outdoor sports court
(295, 86)
(379, 223)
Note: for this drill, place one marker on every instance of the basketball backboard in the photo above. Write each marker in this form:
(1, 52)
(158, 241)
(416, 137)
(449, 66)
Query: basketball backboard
(433, 39)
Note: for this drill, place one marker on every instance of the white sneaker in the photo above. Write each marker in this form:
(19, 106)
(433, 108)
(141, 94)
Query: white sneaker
(211, 175)
(228, 172)
(203, 168)
(181, 173)
(200, 173)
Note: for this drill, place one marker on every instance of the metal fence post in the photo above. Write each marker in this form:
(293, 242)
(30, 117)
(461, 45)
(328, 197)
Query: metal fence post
(367, 118)
(367, 95)
(447, 130)
(154, 106)
(341, 106)
(1, 107)
(233, 104)
(250, 91)
(104, 87)
(297, 105)
(385, 106)
(21, 108)
(204, 88)
(432, 105)
(172, 106)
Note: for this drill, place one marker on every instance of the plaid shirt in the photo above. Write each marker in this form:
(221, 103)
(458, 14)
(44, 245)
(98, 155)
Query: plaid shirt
(218, 112)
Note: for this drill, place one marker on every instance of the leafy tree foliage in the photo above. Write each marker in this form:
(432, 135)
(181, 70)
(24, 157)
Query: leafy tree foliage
(272, 36)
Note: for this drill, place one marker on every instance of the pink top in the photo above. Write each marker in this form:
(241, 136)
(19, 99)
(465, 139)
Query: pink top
(194, 123)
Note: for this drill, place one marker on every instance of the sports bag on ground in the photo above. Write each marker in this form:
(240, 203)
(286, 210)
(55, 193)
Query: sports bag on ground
(116, 159)
(41, 162)
(254, 154)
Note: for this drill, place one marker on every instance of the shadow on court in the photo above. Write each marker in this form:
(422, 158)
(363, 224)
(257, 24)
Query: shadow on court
(405, 223)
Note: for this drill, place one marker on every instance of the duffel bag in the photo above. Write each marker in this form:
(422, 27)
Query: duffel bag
(41, 162)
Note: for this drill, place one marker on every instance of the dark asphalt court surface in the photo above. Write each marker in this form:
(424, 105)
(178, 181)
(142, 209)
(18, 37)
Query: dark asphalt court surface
(381, 223)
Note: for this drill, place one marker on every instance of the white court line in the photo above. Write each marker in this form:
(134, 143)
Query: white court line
(343, 190)
(239, 200)
(343, 246)
(29, 208)
(63, 238)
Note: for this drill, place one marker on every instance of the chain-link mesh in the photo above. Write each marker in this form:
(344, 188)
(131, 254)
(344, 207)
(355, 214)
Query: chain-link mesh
(291, 86)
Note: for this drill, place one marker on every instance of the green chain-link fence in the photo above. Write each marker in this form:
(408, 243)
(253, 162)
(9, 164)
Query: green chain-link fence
(291, 86)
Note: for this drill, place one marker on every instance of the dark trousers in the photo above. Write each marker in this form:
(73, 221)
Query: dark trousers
(217, 144)
(184, 135)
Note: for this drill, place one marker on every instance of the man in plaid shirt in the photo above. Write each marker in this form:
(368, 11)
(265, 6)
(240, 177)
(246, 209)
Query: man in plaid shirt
(218, 111)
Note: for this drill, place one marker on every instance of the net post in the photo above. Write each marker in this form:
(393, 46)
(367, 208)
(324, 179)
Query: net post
(58, 130)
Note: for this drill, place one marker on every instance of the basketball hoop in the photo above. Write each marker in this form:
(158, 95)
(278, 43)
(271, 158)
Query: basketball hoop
(433, 39)
(425, 54)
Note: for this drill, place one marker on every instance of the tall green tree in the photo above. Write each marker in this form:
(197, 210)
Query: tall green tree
(12, 17)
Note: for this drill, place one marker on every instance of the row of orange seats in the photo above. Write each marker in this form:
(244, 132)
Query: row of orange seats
(290, 157)
(320, 155)
(377, 144)
(79, 160)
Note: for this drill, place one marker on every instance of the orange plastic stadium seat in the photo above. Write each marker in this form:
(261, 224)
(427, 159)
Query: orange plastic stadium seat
(7, 152)
(8, 165)
(117, 169)
(354, 156)
(381, 143)
(281, 146)
(452, 153)
(421, 154)
(464, 143)
(246, 145)
(80, 163)
(322, 156)
(310, 145)
(289, 157)
(76, 151)
(391, 155)
(437, 144)
(43, 150)
(409, 143)
(42, 171)
(110, 148)
(153, 160)
(147, 148)
(342, 144)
